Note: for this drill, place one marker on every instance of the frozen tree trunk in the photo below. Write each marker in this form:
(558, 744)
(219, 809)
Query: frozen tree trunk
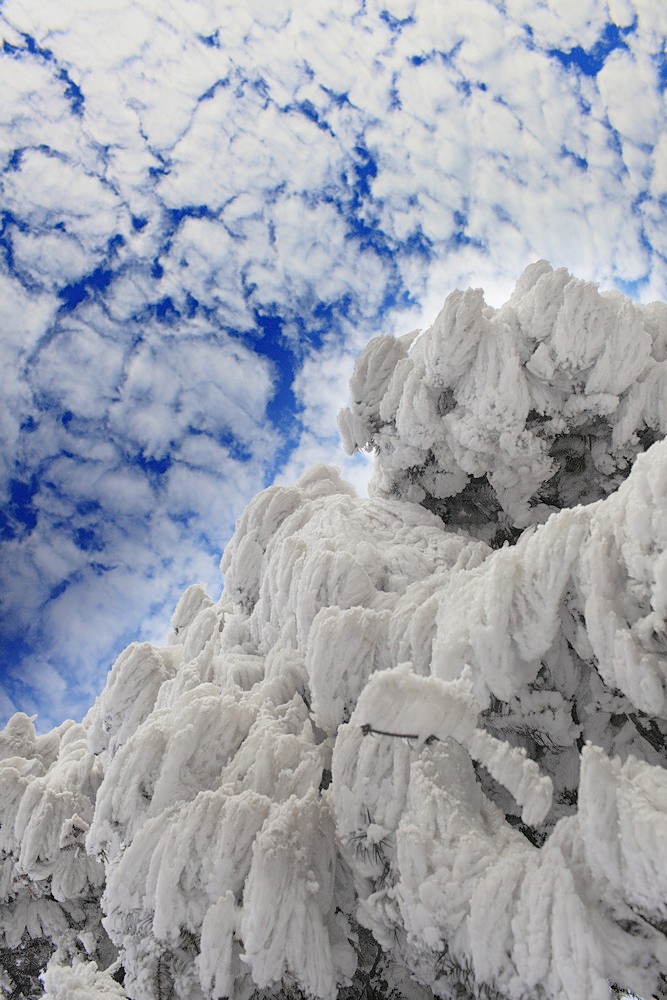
(398, 757)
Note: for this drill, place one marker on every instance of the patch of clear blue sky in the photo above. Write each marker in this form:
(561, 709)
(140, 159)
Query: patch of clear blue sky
(590, 61)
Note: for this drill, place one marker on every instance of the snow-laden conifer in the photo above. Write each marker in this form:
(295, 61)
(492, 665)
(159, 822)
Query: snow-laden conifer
(418, 746)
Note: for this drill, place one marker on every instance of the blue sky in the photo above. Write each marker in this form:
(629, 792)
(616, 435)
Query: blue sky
(209, 208)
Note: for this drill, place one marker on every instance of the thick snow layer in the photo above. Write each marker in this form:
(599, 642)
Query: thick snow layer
(390, 722)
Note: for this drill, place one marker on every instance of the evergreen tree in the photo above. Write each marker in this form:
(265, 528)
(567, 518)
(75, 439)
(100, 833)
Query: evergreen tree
(417, 748)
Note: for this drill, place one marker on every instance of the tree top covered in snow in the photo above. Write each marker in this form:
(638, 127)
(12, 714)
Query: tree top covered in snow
(494, 418)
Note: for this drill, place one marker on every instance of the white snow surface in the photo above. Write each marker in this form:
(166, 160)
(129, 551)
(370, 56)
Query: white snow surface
(384, 720)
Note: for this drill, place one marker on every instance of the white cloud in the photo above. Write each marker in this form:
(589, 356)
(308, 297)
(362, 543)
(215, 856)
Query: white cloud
(652, 21)
(204, 262)
(79, 368)
(629, 89)
(34, 104)
(209, 385)
(562, 24)
(46, 190)
(621, 12)
(55, 257)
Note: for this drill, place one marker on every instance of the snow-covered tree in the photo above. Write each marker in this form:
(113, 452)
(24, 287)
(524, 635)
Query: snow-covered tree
(494, 418)
(399, 756)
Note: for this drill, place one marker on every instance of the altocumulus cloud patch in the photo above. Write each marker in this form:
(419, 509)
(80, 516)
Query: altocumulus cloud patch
(207, 210)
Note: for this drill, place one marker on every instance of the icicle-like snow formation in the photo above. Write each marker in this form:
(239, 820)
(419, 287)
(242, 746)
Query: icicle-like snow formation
(386, 724)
